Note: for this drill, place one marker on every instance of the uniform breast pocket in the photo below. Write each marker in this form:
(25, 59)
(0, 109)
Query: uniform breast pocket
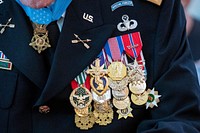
(8, 81)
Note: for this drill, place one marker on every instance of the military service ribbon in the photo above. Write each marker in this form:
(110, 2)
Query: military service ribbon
(5, 62)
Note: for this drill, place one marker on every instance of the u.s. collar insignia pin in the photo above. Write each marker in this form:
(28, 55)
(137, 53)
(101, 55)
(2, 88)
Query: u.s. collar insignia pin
(4, 26)
(157, 2)
(1, 2)
(153, 98)
(88, 17)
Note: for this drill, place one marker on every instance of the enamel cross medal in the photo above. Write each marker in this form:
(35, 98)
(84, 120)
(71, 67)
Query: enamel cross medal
(40, 40)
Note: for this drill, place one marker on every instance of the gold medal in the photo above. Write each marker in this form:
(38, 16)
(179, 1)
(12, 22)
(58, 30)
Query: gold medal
(120, 95)
(119, 84)
(102, 107)
(121, 104)
(83, 112)
(40, 40)
(137, 87)
(117, 71)
(125, 113)
(80, 98)
(103, 119)
(139, 99)
(86, 122)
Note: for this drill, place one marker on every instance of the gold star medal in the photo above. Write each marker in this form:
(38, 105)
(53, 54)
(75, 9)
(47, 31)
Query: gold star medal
(40, 40)
(125, 113)
(153, 98)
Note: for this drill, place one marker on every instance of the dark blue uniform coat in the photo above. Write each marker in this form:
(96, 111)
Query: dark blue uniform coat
(35, 81)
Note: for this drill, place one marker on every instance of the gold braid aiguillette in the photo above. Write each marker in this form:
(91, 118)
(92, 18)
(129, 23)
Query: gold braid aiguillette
(40, 40)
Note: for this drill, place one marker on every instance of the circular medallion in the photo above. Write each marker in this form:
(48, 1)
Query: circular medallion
(80, 98)
(117, 71)
(139, 99)
(84, 111)
(102, 107)
(137, 88)
(120, 95)
(121, 104)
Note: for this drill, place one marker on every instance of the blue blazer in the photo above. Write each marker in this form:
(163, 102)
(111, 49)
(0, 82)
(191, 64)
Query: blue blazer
(33, 82)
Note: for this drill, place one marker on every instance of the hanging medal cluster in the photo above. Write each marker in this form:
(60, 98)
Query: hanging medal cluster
(114, 82)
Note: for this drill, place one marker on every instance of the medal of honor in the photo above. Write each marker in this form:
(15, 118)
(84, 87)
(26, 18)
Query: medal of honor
(40, 40)
(139, 99)
(80, 98)
(117, 71)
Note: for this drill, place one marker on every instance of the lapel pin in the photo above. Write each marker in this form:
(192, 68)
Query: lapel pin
(82, 41)
(1, 2)
(6, 25)
(88, 17)
(127, 24)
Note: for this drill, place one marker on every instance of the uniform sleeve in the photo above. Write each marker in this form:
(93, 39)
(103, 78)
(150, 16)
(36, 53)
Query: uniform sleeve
(174, 77)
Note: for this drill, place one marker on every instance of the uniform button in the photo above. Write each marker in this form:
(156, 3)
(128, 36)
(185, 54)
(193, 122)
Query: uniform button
(44, 109)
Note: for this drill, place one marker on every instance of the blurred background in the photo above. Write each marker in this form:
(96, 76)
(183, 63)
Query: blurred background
(194, 9)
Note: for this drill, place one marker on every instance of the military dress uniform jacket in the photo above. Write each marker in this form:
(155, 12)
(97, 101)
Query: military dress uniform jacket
(44, 79)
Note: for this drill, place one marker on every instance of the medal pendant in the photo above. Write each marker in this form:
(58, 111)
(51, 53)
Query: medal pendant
(118, 85)
(103, 119)
(117, 71)
(153, 98)
(99, 85)
(121, 104)
(125, 113)
(40, 40)
(85, 123)
(80, 98)
(98, 82)
(120, 95)
(83, 112)
(102, 107)
(101, 99)
(137, 87)
(139, 99)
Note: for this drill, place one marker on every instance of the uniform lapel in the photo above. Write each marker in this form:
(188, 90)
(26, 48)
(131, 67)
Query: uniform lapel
(16, 46)
(71, 59)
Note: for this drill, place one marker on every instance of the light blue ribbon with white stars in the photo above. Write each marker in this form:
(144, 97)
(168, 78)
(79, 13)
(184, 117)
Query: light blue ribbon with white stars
(48, 14)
